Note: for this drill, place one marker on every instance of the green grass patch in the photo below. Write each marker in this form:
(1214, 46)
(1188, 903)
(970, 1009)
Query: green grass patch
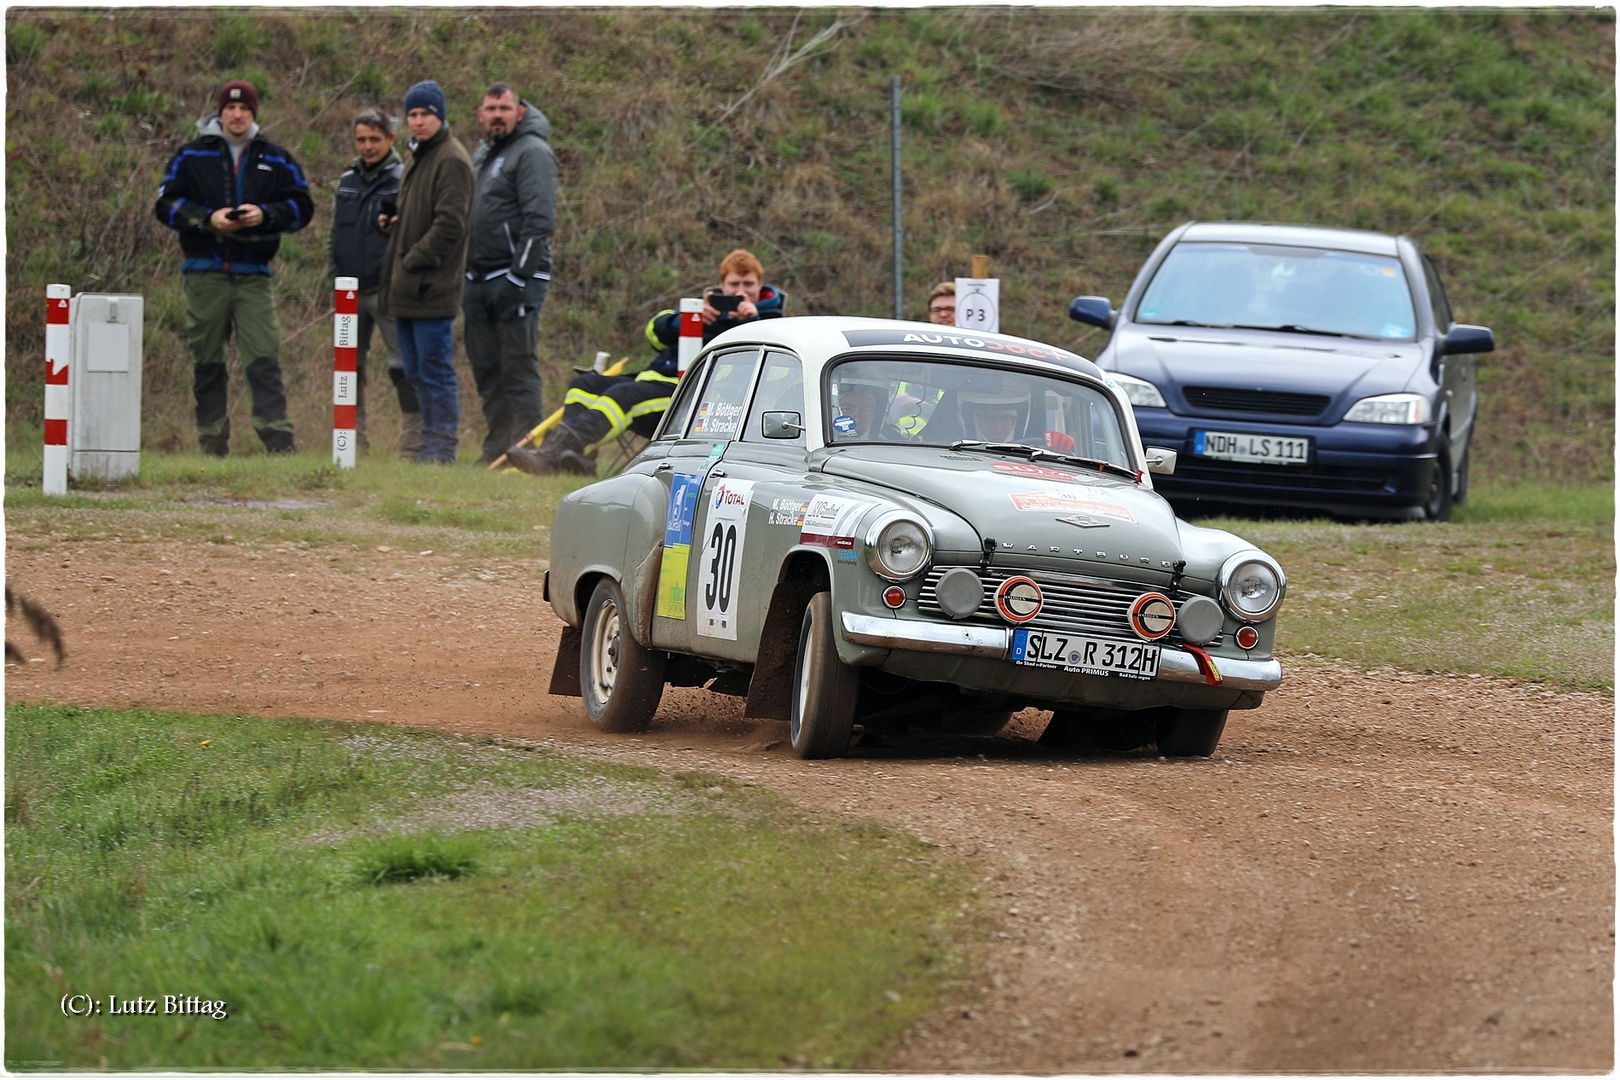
(1520, 584)
(370, 897)
(298, 497)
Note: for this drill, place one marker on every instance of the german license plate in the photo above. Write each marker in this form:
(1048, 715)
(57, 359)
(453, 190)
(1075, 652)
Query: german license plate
(1261, 449)
(1085, 655)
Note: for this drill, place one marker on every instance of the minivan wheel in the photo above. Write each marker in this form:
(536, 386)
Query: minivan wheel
(1437, 507)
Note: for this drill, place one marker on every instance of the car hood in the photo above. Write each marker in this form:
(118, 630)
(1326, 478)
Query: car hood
(1343, 369)
(1056, 514)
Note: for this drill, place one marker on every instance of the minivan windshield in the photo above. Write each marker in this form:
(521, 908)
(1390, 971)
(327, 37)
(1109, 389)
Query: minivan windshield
(1267, 287)
(948, 403)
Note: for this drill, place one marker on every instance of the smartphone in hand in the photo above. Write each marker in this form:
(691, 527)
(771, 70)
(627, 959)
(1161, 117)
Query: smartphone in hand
(725, 305)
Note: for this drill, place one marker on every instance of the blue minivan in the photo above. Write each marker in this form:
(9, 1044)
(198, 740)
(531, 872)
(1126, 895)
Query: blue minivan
(1297, 366)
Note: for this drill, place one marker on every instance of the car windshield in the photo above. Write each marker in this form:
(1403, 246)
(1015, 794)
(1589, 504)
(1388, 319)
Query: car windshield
(1304, 290)
(945, 403)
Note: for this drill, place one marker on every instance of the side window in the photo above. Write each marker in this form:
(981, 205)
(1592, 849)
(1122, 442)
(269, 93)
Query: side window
(719, 412)
(681, 408)
(1437, 297)
(781, 389)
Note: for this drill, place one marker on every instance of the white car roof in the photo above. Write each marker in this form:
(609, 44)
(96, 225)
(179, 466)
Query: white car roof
(1247, 232)
(818, 338)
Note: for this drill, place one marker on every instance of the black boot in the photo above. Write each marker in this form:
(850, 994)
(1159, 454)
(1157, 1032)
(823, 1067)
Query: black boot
(277, 442)
(216, 445)
(523, 459)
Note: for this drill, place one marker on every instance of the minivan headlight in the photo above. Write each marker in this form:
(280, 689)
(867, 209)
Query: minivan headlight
(898, 546)
(1390, 409)
(1252, 586)
(1138, 391)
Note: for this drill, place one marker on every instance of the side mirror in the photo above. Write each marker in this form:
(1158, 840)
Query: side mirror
(1095, 310)
(781, 425)
(1464, 338)
(1159, 459)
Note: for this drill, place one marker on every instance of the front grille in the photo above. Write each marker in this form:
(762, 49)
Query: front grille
(1069, 604)
(1273, 478)
(1273, 402)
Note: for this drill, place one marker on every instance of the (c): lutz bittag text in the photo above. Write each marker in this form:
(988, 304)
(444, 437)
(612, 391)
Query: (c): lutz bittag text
(167, 1005)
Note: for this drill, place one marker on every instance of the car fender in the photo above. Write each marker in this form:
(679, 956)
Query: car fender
(603, 528)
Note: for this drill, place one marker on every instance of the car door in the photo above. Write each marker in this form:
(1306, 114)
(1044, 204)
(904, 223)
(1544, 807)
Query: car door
(769, 476)
(716, 413)
(1456, 372)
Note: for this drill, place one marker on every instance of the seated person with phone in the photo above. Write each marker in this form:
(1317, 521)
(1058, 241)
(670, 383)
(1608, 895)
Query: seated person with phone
(601, 407)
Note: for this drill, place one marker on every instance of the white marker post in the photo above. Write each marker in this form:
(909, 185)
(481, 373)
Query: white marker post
(345, 369)
(58, 390)
(691, 338)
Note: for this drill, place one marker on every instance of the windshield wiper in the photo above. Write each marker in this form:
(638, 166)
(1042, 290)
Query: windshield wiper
(1041, 453)
(1293, 328)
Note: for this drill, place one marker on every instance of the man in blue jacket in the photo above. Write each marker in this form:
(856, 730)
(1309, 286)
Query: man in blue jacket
(230, 194)
(601, 407)
(365, 192)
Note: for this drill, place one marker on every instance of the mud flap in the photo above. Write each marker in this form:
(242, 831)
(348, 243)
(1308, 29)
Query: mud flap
(770, 691)
(565, 675)
(643, 593)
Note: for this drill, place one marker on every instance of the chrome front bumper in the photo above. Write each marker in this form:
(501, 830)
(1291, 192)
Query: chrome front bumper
(1175, 665)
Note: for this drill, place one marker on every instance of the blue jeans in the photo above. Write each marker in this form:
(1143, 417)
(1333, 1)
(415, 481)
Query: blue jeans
(426, 347)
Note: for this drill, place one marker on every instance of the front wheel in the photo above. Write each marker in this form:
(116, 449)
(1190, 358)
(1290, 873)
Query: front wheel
(1437, 507)
(620, 681)
(1190, 732)
(824, 687)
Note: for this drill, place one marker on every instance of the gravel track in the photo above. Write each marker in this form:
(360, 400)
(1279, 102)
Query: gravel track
(1377, 872)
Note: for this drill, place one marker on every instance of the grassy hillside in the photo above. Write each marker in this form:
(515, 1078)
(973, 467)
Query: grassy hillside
(1062, 143)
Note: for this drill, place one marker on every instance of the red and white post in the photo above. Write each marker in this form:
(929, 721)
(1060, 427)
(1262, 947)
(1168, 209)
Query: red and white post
(691, 337)
(58, 390)
(345, 373)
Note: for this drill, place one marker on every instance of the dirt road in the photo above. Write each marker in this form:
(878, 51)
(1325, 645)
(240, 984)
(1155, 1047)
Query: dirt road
(1376, 872)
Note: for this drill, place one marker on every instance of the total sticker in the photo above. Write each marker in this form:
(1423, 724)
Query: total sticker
(725, 530)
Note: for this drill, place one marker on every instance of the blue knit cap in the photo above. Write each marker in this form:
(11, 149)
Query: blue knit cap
(426, 95)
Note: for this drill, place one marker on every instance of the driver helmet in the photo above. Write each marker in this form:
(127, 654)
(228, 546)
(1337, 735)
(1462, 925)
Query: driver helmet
(994, 417)
(863, 400)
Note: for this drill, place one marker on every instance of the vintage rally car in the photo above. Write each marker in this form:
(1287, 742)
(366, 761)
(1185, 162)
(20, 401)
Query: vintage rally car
(897, 525)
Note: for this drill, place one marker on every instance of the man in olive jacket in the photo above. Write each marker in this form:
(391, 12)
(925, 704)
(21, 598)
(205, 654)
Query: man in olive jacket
(509, 263)
(421, 277)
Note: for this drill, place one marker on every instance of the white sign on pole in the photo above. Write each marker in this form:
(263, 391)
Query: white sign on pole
(978, 304)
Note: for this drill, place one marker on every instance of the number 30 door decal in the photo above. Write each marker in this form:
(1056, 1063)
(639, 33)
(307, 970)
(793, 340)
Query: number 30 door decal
(721, 562)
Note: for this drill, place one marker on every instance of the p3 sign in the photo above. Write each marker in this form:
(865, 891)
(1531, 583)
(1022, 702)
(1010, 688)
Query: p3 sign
(725, 527)
(978, 304)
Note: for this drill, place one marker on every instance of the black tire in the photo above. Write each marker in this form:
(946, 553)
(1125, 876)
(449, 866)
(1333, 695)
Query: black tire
(1092, 731)
(824, 687)
(1437, 507)
(1461, 494)
(620, 681)
(1190, 732)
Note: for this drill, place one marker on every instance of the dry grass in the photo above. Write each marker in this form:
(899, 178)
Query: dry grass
(1060, 142)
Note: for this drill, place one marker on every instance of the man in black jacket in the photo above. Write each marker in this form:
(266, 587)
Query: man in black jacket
(509, 263)
(230, 194)
(367, 191)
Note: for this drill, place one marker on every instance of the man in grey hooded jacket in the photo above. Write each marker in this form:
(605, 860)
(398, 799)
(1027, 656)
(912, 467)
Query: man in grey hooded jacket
(509, 263)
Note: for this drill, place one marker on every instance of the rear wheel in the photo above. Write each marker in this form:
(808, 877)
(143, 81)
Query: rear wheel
(620, 681)
(824, 687)
(1437, 507)
(1190, 732)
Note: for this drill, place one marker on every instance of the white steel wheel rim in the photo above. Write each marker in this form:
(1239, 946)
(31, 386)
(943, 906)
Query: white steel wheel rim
(605, 654)
(802, 690)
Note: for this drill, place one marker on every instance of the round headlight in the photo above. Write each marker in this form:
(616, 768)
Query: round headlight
(898, 547)
(1252, 585)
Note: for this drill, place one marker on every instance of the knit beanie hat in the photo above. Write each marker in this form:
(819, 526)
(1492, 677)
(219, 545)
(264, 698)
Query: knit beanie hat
(426, 95)
(238, 91)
